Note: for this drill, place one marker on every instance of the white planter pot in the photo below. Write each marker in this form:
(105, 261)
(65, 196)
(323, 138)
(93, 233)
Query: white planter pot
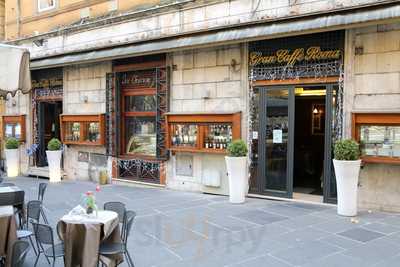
(12, 162)
(347, 172)
(238, 178)
(54, 160)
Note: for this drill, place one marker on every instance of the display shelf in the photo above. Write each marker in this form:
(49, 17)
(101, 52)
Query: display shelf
(202, 132)
(378, 135)
(82, 129)
(14, 126)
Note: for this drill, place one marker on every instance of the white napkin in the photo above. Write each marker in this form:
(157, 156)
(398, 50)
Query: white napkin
(78, 210)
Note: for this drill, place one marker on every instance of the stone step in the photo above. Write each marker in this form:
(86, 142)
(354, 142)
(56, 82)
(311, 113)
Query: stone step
(41, 172)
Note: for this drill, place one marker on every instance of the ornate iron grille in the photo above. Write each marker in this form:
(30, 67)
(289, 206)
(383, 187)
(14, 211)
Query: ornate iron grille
(137, 169)
(162, 84)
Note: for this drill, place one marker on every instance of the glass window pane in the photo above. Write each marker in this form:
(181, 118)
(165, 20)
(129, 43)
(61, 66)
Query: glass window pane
(380, 140)
(140, 103)
(92, 132)
(277, 134)
(72, 131)
(184, 135)
(45, 4)
(217, 136)
(140, 135)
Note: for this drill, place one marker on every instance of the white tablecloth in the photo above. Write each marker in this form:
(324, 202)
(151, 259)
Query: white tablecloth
(6, 211)
(105, 217)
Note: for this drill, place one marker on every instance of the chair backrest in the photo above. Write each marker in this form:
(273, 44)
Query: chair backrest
(117, 207)
(129, 218)
(42, 189)
(19, 250)
(33, 210)
(43, 234)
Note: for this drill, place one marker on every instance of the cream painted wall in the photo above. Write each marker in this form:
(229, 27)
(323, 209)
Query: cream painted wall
(372, 84)
(80, 82)
(205, 81)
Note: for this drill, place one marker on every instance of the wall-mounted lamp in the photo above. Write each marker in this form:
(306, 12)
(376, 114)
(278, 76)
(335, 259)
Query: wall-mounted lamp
(38, 42)
(235, 65)
(85, 99)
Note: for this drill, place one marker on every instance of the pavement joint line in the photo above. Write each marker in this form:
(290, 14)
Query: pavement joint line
(247, 259)
(220, 226)
(243, 220)
(279, 259)
(166, 245)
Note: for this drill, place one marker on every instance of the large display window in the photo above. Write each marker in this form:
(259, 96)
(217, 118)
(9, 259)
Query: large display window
(203, 133)
(82, 129)
(14, 126)
(379, 136)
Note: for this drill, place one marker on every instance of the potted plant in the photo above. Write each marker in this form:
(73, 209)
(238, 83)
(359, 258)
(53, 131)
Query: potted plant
(53, 153)
(12, 157)
(347, 168)
(236, 165)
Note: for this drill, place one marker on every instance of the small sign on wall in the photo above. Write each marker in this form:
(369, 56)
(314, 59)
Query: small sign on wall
(277, 136)
(83, 156)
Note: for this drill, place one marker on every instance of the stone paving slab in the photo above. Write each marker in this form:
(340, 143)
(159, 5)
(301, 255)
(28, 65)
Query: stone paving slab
(175, 229)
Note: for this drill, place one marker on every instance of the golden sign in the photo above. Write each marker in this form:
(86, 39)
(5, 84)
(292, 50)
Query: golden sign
(313, 53)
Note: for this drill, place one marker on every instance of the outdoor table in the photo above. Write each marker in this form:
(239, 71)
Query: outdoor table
(12, 195)
(82, 235)
(8, 232)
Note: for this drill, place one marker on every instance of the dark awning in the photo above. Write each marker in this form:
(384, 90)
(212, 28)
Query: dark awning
(236, 35)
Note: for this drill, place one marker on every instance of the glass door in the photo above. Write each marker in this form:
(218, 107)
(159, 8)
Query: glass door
(276, 151)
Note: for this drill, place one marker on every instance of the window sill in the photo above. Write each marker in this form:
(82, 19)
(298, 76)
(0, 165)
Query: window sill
(380, 160)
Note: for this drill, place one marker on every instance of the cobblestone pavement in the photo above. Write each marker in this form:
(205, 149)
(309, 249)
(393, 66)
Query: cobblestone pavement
(175, 229)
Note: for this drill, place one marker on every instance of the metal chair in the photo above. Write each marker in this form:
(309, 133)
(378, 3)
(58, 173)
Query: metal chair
(108, 249)
(19, 250)
(42, 190)
(32, 216)
(119, 208)
(45, 243)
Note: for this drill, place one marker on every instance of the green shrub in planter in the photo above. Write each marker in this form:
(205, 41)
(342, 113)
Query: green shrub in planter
(346, 150)
(54, 144)
(237, 148)
(12, 143)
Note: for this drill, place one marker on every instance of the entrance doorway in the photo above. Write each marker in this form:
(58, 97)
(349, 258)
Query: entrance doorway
(48, 114)
(294, 160)
(309, 139)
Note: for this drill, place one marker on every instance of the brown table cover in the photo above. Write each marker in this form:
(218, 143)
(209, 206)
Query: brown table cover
(8, 235)
(82, 240)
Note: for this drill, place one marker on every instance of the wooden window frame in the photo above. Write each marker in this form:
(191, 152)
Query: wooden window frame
(82, 119)
(14, 119)
(202, 121)
(131, 114)
(378, 119)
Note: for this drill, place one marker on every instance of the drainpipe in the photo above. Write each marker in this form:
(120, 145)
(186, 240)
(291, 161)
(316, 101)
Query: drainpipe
(19, 18)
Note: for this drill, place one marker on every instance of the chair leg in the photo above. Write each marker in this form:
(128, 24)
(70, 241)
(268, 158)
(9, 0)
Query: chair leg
(44, 216)
(130, 261)
(37, 259)
(54, 261)
(33, 246)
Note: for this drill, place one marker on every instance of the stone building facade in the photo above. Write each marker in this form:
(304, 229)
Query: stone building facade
(206, 46)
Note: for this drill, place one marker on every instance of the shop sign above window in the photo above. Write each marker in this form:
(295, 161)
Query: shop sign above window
(308, 56)
(139, 79)
(290, 58)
